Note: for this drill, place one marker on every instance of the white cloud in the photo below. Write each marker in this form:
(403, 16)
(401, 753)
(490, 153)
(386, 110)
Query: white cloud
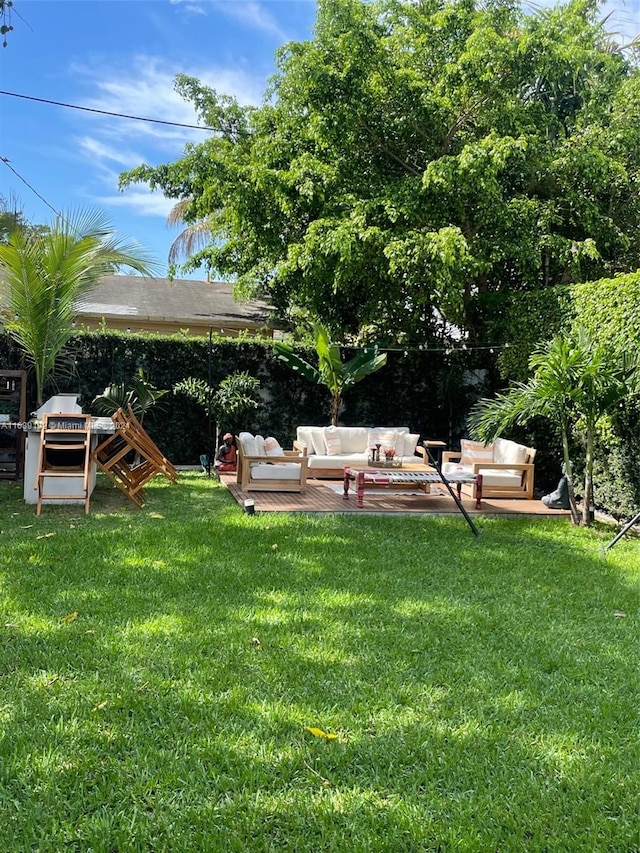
(253, 15)
(145, 88)
(139, 201)
(100, 152)
(190, 6)
(247, 12)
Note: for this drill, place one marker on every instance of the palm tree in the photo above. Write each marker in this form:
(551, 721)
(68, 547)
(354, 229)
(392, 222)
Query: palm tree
(331, 371)
(576, 381)
(196, 236)
(46, 273)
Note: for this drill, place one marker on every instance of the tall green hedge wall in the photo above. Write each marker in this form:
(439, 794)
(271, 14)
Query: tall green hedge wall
(414, 389)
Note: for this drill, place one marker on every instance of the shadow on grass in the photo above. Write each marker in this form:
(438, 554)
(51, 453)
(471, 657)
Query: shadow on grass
(484, 693)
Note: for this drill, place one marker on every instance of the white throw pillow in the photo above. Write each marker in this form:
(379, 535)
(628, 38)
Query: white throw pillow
(475, 451)
(333, 441)
(260, 445)
(248, 442)
(272, 447)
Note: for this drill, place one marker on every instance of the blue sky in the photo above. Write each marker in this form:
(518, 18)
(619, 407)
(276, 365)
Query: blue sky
(122, 56)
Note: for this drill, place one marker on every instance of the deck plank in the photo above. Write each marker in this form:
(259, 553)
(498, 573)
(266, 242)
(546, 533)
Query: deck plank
(320, 498)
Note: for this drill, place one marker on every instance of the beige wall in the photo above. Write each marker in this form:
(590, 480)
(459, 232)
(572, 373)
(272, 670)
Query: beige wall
(131, 324)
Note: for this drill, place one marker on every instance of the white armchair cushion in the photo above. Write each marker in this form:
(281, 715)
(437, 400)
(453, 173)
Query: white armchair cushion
(501, 478)
(475, 451)
(509, 453)
(260, 445)
(249, 445)
(279, 471)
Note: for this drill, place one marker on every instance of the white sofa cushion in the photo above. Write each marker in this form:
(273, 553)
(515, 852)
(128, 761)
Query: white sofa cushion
(317, 440)
(313, 439)
(354, 439)
(303, 436)
(260, 445)
(410, 443)
(356, 460)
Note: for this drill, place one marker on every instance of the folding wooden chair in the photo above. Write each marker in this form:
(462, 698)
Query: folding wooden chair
(140, 439)
(130, 459)
(64, 456)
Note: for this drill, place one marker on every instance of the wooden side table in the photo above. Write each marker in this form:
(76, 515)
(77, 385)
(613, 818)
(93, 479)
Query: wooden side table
(433, 446)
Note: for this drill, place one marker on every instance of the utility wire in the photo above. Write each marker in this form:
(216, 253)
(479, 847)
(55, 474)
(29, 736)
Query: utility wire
(107, 113)
(6, 162)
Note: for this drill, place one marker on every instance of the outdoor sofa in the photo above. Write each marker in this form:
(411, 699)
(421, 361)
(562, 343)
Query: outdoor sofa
(330, 449)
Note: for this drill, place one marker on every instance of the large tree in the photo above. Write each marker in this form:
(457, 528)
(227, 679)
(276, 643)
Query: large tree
(412, 157)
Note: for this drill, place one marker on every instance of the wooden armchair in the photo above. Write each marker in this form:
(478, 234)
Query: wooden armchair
(503, 474)
(286, 472)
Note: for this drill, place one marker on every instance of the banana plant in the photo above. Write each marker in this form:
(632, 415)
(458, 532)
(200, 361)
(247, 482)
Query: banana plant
(331, 371)
(140, 394)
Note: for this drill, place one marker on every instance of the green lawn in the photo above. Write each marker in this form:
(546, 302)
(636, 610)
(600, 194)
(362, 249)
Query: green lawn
(484, 693)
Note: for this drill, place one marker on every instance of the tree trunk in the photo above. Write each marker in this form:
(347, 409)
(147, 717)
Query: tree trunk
(575, 515)
(588, 480)
(335, 408)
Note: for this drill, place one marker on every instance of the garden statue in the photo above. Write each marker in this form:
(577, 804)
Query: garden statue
(559, 499)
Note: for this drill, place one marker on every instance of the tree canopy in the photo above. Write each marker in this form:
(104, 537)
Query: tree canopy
(414, 156)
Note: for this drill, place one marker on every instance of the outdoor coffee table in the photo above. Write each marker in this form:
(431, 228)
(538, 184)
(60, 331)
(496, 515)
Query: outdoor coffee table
(422, 479)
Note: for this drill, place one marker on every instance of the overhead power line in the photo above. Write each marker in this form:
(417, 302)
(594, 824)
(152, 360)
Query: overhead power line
(6, 162)
(107, 113)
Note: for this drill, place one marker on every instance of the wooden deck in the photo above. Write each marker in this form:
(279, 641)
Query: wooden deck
(320, 497)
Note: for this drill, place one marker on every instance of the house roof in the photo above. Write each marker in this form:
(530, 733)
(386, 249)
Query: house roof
(181, 301)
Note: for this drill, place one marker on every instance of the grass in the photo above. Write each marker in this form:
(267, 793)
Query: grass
(484, 693)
